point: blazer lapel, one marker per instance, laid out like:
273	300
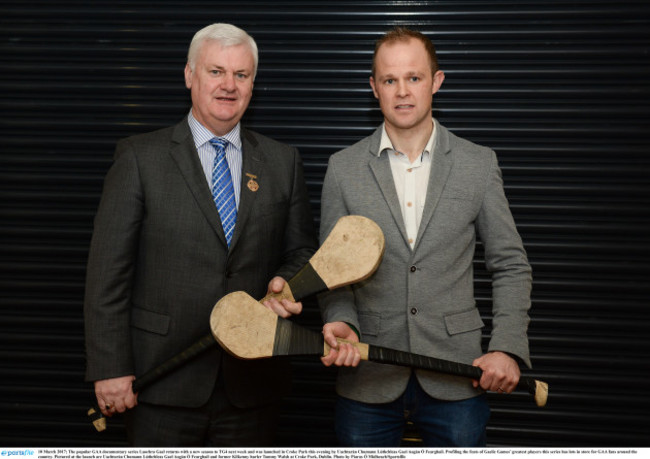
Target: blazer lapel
380	166
252	163
184	153
441	165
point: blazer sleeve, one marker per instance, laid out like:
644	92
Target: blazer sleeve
109	276
338	305
507	261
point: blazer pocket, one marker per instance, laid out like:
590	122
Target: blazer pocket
150	321
461	194
464	321
369	323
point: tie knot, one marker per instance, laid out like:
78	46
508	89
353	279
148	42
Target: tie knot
219	143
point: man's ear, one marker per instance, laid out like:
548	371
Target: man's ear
438	78
372	85
188	76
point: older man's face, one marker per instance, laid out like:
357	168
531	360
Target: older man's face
221	85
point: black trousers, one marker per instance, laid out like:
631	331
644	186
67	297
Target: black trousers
218	423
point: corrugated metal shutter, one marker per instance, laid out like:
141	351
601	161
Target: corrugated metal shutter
560	90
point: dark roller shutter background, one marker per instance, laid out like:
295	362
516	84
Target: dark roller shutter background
560	90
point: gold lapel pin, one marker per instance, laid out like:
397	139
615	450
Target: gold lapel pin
252	184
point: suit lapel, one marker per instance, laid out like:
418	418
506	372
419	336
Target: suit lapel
184	153
441	165
251	171
380	166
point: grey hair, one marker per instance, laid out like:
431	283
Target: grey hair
226	35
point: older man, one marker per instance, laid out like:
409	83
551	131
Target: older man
431	193
188	214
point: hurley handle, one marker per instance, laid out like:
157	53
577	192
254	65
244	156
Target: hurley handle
170	365
153	375
538	389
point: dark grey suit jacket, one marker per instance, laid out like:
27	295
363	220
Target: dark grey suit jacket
422	300
159	262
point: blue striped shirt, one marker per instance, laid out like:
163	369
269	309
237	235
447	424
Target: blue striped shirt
207	153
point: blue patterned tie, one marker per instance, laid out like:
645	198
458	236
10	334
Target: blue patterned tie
223	191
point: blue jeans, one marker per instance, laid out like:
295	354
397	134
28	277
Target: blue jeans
440	423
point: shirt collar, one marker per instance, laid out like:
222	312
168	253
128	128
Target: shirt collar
203	135
385	142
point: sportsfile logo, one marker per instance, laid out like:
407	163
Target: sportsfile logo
16	452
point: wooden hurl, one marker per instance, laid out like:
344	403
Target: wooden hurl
248	330
350	253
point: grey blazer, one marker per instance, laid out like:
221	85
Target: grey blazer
159	262
422	300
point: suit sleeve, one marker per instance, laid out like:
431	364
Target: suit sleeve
506	260
299	239
337	305
109	276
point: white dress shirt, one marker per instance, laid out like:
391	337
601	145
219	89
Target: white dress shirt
411	180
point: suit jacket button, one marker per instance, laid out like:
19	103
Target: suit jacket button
413	269
414	311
